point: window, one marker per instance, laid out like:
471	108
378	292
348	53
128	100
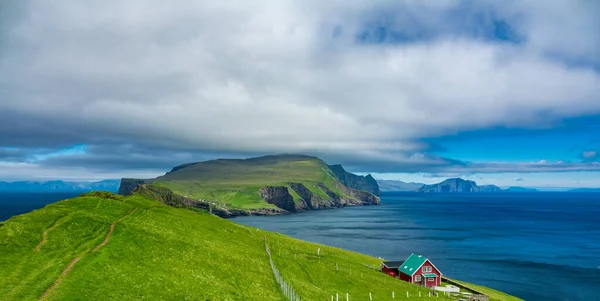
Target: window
430	279
418	278
426	269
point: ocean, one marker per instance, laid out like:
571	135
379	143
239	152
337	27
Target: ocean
537	246
15	203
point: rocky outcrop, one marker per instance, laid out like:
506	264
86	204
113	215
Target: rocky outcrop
278	196
364	197
167	197
350	180
349	197
129	185
306	195
458	185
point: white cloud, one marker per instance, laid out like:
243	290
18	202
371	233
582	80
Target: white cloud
267	76
11	171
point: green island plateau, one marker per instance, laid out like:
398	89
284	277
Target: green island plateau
157	244
275	184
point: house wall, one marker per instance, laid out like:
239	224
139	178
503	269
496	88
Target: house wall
437	280
405	277
387	271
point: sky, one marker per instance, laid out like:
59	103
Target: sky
504	92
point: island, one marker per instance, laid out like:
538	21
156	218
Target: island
454	185
267	185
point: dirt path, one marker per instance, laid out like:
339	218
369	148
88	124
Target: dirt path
60	278
68	269
112	228
45	234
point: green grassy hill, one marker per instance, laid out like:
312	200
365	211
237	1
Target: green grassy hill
282	182
108	247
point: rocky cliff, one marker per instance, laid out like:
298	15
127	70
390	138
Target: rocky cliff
128	185
458	185
167	197
364	183
279	196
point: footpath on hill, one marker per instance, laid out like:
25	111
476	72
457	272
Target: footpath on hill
106	247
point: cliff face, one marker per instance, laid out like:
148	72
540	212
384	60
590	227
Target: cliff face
282	198
458	185
364	183
278	196
128	185
167	197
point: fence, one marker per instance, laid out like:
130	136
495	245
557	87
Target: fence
287	289
361	270
462	286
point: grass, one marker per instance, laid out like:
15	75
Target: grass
493	294
165	253
235	183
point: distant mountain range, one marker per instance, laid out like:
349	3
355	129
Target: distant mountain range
394	185
59	186
520	189
447	186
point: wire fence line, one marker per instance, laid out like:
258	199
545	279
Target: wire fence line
287	289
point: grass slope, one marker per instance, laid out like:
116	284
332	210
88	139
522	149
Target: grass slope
156	252
235	183
493	294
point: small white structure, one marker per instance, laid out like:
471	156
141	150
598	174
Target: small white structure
448	288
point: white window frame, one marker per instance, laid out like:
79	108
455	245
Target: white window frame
418	278
427	269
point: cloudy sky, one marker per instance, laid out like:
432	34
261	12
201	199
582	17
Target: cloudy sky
502	91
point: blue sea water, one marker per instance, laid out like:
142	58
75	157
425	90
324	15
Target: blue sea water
537	246
15	203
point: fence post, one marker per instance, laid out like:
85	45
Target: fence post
406	294
336	297
370	297
393	297
347	297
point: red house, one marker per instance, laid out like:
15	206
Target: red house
415	269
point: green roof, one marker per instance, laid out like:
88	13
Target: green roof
432	275
412	264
